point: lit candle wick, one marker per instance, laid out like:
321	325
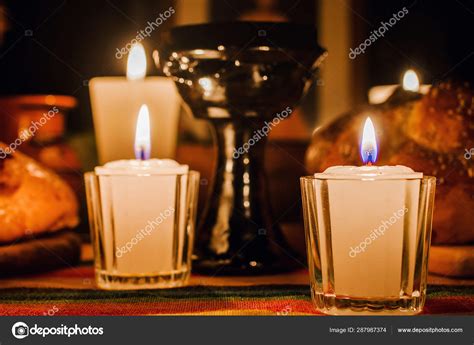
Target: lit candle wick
368	146
370	158
142	134
142	153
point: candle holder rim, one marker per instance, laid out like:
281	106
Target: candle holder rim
425	178
190	172
61	101
240	33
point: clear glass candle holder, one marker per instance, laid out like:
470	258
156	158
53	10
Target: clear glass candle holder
142	228
368	243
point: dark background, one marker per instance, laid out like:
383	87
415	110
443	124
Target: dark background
435	38
56	46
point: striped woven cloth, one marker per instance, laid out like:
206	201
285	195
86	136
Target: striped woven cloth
71	292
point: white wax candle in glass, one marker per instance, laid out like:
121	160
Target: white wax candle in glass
142	215
368	230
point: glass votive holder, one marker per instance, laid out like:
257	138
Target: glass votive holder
142	228
368	243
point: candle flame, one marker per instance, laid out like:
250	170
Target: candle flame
368	146
136	63
410	81
142	134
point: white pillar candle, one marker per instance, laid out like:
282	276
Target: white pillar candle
114	100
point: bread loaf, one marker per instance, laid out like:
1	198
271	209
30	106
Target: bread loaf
33	200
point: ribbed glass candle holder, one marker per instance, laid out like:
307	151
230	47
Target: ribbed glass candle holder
142	228
368	243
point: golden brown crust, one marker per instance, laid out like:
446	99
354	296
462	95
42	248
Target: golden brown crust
441	120
33	200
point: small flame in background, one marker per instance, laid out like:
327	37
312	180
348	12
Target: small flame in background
410	81
368	145
136	63
142	134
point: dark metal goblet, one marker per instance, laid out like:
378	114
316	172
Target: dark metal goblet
240	76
